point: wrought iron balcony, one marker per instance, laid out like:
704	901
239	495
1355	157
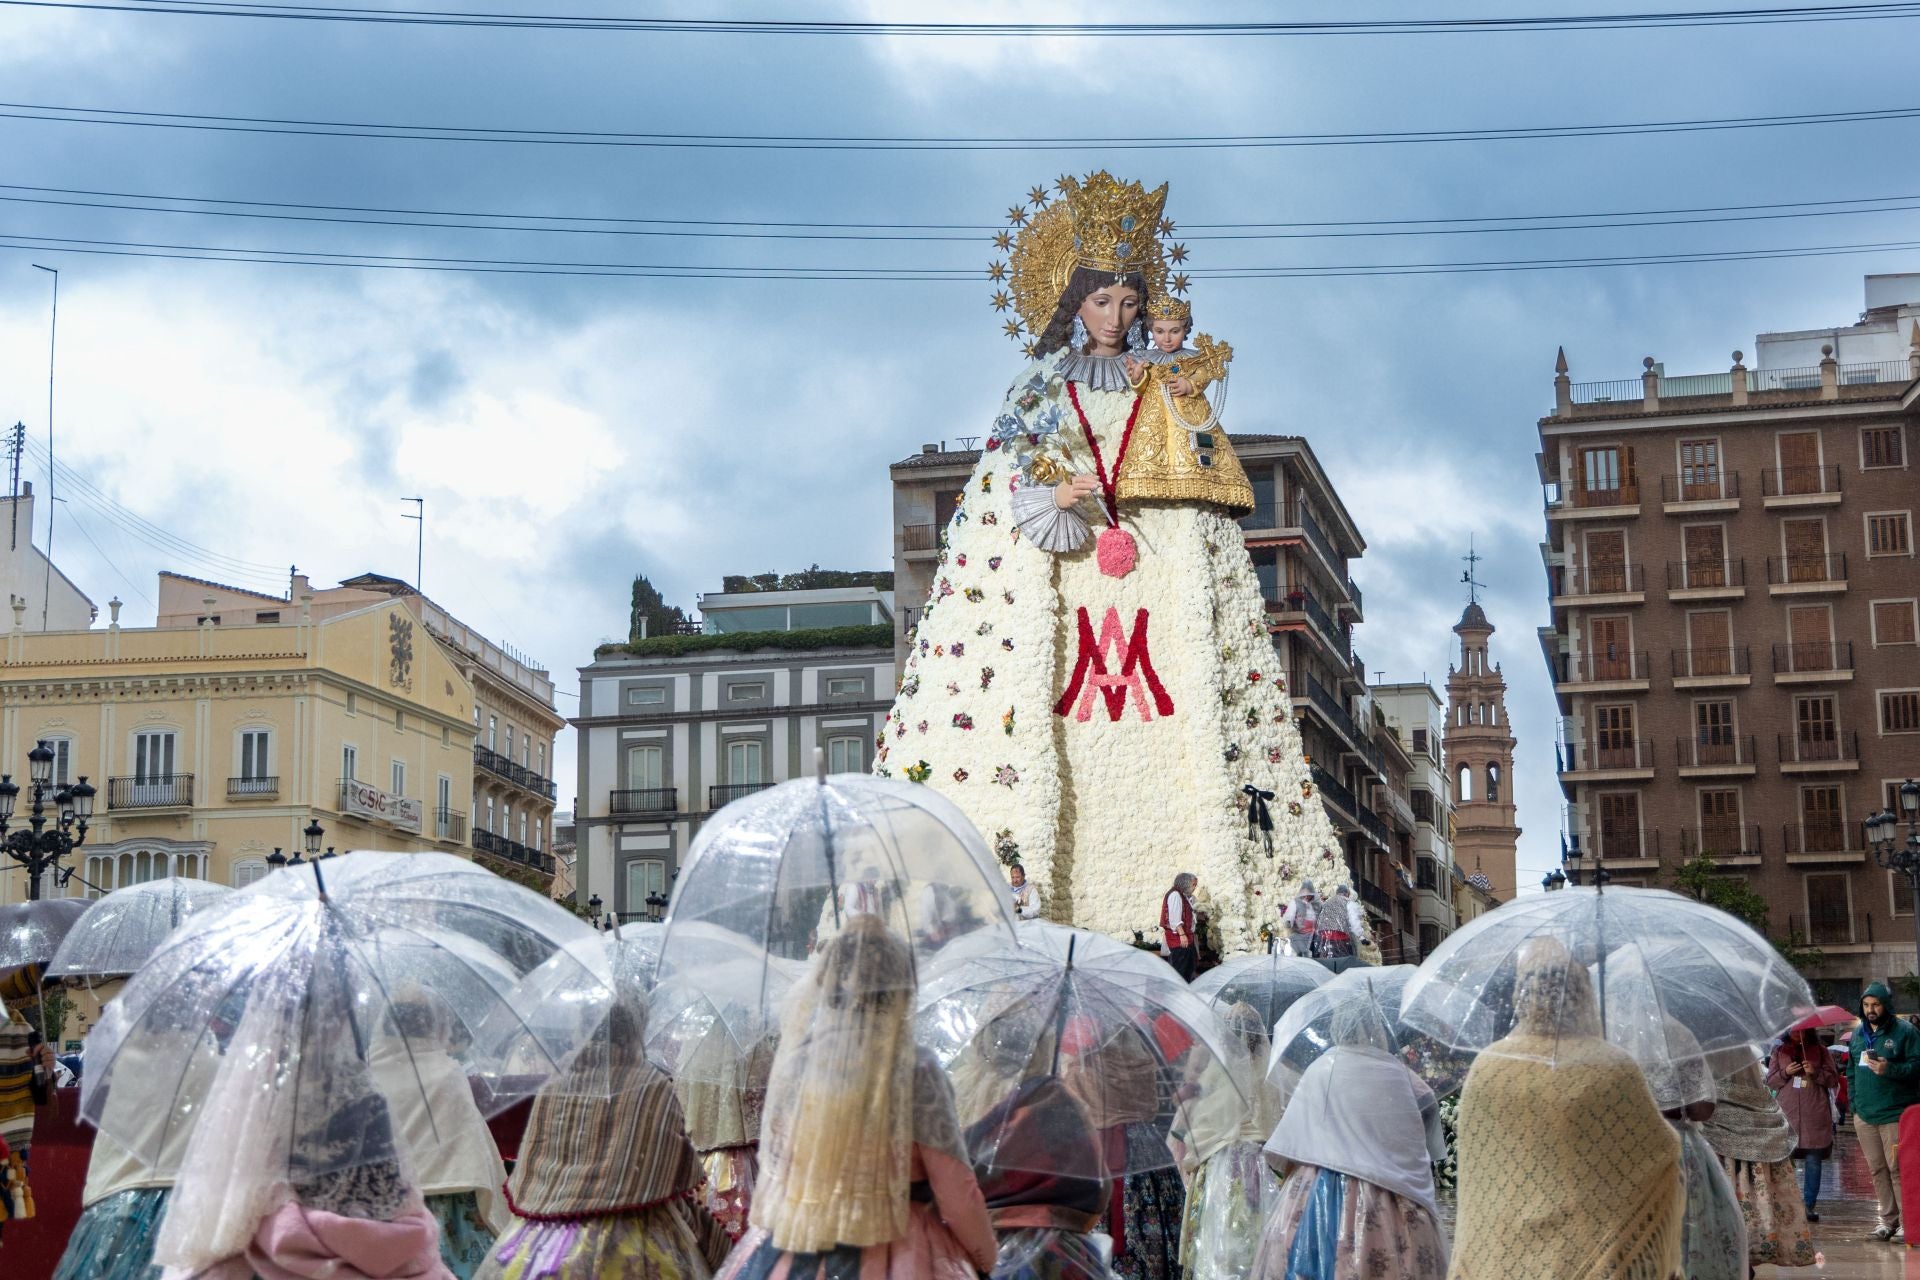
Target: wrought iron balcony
1618	664
1814	657
1790	482
720	797
1801	569
1706	575
1816	836
1705	484
1708	664
644	800
519	775
252	788
1731	752
449	825
155	791
918	537
1721	840
1838	750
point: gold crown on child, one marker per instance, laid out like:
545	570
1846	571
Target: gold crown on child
1164	306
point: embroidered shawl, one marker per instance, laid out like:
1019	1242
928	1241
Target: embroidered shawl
1748	1124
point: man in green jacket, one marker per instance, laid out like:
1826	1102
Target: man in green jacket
1883	1080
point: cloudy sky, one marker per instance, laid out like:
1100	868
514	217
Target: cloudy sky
568	432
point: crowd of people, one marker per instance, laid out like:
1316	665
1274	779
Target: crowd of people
841	1149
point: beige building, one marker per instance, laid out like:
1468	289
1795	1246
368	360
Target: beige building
212	745
53	602
503	808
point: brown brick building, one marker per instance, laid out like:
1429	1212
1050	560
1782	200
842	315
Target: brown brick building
1730	560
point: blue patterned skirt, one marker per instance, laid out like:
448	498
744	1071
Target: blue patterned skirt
114	1238
464	1235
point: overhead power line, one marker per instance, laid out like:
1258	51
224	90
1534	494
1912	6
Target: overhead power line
576	224
1631	20
511	266
53	113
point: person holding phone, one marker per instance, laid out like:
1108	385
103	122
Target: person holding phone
1883	1080
1803	1076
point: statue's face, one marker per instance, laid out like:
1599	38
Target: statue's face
1169	334
1108	313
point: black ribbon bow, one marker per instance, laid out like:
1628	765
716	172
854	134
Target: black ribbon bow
1259	816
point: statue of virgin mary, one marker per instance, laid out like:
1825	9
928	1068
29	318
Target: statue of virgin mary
1093	680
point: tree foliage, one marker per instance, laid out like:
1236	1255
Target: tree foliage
1703	879
812	578
878	635
651	608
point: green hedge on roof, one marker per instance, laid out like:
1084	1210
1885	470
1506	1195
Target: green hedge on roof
878	635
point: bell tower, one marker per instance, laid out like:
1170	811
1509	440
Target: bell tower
1479	752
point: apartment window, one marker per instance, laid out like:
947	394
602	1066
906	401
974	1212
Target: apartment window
476	716
651	697
1804	544
267	615
1713	723
1606	560
399	777
523	826
1601	475
506	819
353	703
443	807
1800	469
489	812
1720	820
645	877
508	753
1699	470
1815	730
1889	533
1900	894
1710	642
845	755
253	754
540	758
1882	447
744	764
1900	711
1829	909
1895	622
526	751
247	870
644	767
1611	642
1422	805
1823	822
1613	740
746	692
1704	550
1619	824
349	762
845	686
153	754
1419	741
1810	638
493	733
62	749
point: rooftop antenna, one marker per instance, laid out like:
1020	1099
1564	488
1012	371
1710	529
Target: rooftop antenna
1474	585
419	540
16	445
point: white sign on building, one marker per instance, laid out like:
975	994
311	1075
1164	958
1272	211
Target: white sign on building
366	801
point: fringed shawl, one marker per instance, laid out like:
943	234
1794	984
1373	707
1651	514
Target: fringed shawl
1567	1172
585	1156
1748	1124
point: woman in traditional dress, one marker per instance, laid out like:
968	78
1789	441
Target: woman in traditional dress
862	1170
1357	1147
1107	705
606	1183
1803	1074
1567	1171
1714	1232
1234	1192
722	1094
1040	1167
449	1147
1750	1134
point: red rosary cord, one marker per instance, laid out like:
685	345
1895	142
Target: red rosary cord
1109	485
587	1215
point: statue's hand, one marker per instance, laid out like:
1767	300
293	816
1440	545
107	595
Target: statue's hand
1068	493
1133	367
1181	386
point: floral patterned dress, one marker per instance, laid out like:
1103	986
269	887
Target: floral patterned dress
1715	1233
1328	1226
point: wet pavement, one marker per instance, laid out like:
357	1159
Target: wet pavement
1844	1233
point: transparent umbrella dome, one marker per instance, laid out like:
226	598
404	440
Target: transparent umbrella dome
31	932
296	990
1157	1078
1655	960
1267	983
775	876
1306	1030
119	931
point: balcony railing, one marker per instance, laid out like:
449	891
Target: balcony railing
449	824
512	850
1703	575
155	791
1836	927
1617	845
1812	656
1840	748
1815	837
1610	579
720	797
1624	494
1700	485
1377	898
252	788
1703	663
1329	706
918	537
1813	567
644	800
1790	482
519	775
1353	594
1334	789
1719	752
1374	825
1721	840
1617	665
1590	756
1292	515
1613	392
1338	635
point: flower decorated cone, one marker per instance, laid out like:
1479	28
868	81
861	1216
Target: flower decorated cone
1107	705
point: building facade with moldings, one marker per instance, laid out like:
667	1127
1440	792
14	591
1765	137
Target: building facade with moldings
673	728
1734	614
213	745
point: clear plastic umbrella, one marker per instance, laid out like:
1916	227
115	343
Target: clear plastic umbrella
1269	983
1657	960
1158	1076
718	1004
118	932
776	875
592	993
1305	1030
298	973
31	932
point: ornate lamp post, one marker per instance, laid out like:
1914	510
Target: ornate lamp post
40	849
1883	838
594	904
276	861
1554	879
310	838
656	907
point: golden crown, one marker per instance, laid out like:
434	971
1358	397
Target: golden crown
1164	306
1100	222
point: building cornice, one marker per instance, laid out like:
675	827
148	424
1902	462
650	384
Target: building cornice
1668	419
665	718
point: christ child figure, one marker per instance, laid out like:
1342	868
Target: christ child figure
1179	452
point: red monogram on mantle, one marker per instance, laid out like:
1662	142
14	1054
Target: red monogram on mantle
1118	666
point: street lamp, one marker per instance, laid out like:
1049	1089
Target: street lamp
593	909
656	907
39	849
1883	838
1554	879
313	835
276	861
